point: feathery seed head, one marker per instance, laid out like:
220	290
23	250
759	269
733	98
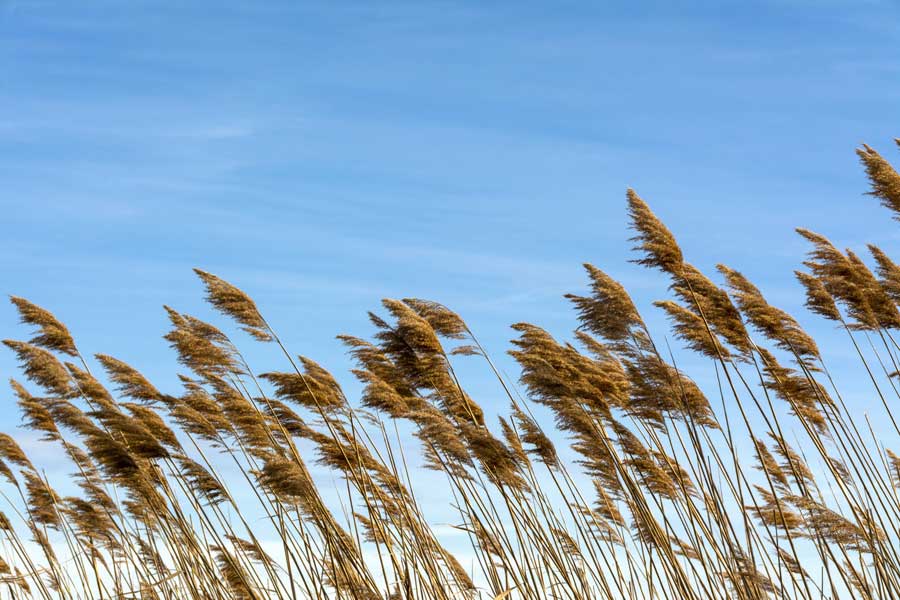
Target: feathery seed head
884	179
234	303
53	335
657	243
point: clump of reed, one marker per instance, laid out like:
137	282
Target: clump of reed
614	475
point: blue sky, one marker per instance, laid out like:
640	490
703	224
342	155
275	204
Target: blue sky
325	155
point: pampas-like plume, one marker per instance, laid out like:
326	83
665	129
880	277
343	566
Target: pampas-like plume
834	527
315	389
713	305
200	346
655	241
844	281
497	460
513	442
791	563
201	413
289	481
153	424
372	358
443	445
538	443
558	375
793	463
381	396
53	335
444	321
769	466
648	471
659	389
42	501
90	520
42	368
818	298
702	297
805	396
894	463
774	323
35	413
129	381
879	302
884	179
7	473
418	356
251	548
234	574
692	329
888	271
605	508
609	312
202	482
773	512
462	577
236	304
12	452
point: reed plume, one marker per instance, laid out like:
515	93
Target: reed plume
620	469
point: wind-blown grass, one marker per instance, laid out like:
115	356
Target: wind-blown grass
774	490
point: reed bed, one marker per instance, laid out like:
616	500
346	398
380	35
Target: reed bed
612	474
